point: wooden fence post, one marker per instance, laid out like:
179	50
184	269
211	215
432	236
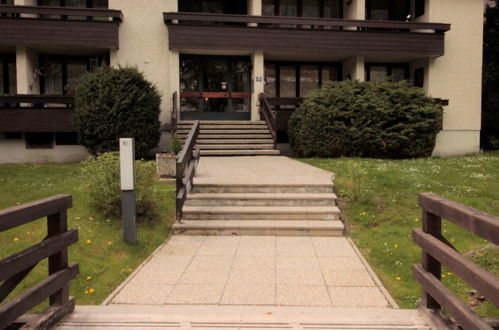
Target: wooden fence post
58	224
432	224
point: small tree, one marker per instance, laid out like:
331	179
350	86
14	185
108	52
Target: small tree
113	103
365	119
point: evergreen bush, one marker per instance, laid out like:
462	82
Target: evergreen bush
113	103
104	188
365	119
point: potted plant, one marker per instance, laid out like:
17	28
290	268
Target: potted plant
166	162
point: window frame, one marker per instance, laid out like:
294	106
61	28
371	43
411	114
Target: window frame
390	67
297	66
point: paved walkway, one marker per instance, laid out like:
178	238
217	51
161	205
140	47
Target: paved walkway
254	270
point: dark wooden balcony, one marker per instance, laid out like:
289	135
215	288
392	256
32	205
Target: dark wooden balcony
298	34
36	113
59	26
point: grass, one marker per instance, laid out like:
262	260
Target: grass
105	261
385	211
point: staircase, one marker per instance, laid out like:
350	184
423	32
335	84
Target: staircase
231	138
250	207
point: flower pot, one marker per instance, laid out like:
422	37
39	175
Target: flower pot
166	165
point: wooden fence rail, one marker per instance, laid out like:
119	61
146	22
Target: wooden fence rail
438	251
187	161
269	115
16	267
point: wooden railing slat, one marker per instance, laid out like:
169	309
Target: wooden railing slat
451	303
480	223
481	280
36	253
22	214
300	21
34	296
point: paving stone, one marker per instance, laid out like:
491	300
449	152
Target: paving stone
182	245
294	246
204	276
357	297
340	263
256	246
300	276
236	294
348	278
333	247
252	276
195	294
219	246
143	293
302	295
253	262
201	262
292	263
158	273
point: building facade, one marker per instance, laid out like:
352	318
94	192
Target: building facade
217	56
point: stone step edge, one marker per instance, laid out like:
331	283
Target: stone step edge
262	196
261	210
261	185
260	224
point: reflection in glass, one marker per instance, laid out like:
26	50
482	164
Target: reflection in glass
287	81
74	71
309	79
330	74
268	8
12	77
270	80
288	8
53	76
398	74
311	8
378	73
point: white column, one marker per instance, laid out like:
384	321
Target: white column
353	68
257	82
28	79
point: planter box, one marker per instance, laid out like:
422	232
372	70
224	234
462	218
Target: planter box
166	165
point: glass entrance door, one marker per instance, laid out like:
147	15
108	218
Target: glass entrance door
215	87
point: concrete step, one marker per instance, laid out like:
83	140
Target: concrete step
240	152
225	131
258	188
259	227
261	199
223	122
261	213
227	317
235	141
234	146
223	127
232	136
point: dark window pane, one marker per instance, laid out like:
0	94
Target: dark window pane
311	8
240	105
420	8
270	87
189	76
240	77
215	105
39	140
12	77
268	8
419	77
75	69
379	10
398	74
288	8
332	9
309	79
3	77
330	73
53	80
287	81
66	138
189	104
400	10
378	73
13	136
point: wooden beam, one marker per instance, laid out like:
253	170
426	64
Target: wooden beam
471	219
452	304
484	282
22	214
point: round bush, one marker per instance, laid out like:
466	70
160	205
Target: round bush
365	119
113	103
104	188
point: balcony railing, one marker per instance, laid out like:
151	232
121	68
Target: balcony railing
36	113
59	26
269	33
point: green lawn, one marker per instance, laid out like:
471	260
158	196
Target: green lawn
382	218
105	261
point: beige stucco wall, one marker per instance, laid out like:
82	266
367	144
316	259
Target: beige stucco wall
457	76
15	152
354	9
28	81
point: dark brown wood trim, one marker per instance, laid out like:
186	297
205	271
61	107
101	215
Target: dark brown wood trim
113	14
36	119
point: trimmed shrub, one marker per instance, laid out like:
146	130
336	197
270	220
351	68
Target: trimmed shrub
365	119
103	184
113	103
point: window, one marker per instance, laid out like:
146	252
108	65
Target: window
75	3
303	8
13	136
39	140
388	10
382	72
419	77
8	74
292	79
420	8
62	73
66	139
213	6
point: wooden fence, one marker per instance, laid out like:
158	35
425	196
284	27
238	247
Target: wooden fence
16	267
438	251
187	161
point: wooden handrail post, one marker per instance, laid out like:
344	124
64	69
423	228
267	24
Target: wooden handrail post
58	224
432	224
